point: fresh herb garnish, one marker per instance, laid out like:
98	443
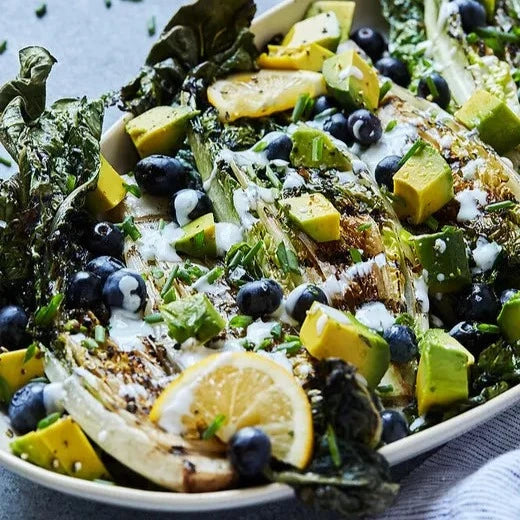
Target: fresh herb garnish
249	257
133	189
30	352
3	46
385	389
365	226
44	315
157	317
214	427
355	255
5	162
129	228
47	421
288	259
157	273
488	328
5	392
326	113
89	344
213	275
499	206
385	88
301	107
432	87
151	26
41	10
241	321
275	181
289	347
415	148
276	331
70	183
100	334
317	148
333	446
432	223
391	125
260	146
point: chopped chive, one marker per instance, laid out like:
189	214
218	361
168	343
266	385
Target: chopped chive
317	148
499	206
5	392
100	334
30	352
213	275
276	331
70	183
488	328
300	107
432	223
154	318
41	10
133	189
170	296
333	446
272	177
151	25
169	281
5	162
355	255
157	273
3	46
260	146
490	32
385	88
288	259
241	321
89	344
391	125
415	148
47	421
432	87
162	224
267	342
252	253
365	226
291	337
44	315
472	38
289	347
129	228
385	389
235	260
214	427
326	113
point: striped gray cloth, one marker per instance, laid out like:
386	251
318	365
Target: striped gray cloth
474	477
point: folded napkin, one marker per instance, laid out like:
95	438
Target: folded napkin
474	477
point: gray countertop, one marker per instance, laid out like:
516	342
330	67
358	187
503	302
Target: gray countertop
97	49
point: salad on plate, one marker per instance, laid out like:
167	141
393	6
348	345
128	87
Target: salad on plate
314	254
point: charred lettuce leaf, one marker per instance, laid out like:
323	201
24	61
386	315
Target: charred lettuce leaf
209	36
350	478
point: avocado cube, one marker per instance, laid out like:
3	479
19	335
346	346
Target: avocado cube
315	215
307	57
509	319
109	191
322	29
328	332
160	130
344	12
352	81
444	256
496	123
199	238
192	317
423	185
31	447
17	373
313	148
442	377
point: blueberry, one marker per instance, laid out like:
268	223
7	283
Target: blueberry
507	294
106	239
125	289
161	175
104	266
187	205
472	14
323	103
250	451
441	94
337	126
480	304
27	408
402	342
386	169
395	426
13	324
259	298
394	69
468	335
371	41
279	148
365	127
301	299
83	290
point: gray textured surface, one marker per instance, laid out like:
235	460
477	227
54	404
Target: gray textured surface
97	50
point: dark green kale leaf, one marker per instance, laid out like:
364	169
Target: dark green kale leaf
354	480
209	37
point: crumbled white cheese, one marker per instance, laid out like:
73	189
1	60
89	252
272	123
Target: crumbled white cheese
471	170
375	315
293	180
485	254
470	203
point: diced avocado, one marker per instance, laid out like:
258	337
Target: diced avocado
199	238
109	191
352	81
31	447
322	29
315	215
397	384
344	12
307	57
160	130
423	185
15	372
442	378
496	123
509	319
192	317
328	332
444	256
313	148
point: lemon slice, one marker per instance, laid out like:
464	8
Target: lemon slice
262	93
248	390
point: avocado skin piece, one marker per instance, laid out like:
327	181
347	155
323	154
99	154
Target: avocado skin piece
496	123
344	12
192	317
352	81
331	156
509	319
199	238
442	377
443	255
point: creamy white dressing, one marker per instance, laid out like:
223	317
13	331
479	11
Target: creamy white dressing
346	177
471	170
375	316
421	291
350	71
127	285
247	200
470	203
185	203
356	129
202	285
158	245
259	330
293	298
128	329
133	391
439	245
446	141
54	398
226	236
293	180
485	254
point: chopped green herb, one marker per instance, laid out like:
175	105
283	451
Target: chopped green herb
30	352
326	113
154	318
432	87
151	25
44	315
199	239
267	342
291	337
472	38
317	148
355	255
241	321
169	281
3	46
213	275
157	273
70	183
47	421
276	331
333	446
129	228
289	347
5	162
499	206
391	125
275	181
170	296
260	146
41	10
288	259
100	334
385	389
214	427
432	223
133	189
364	227
5	392
504	37
162	224
300	107
89	344
415	148
385	88
488	328
252	253
72	326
